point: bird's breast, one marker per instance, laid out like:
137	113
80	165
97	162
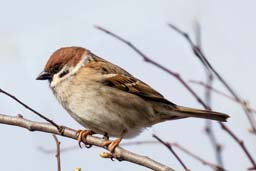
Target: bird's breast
104	109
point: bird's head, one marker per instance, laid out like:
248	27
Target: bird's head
62	64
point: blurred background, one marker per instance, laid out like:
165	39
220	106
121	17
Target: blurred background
31	30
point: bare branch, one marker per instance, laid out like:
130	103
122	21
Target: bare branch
176	145
252	132
203	161
252	168
119	153
183	82
243	103
169	147
216	145
198	33
150	142
195	48
208	99
203	59
57	152
240	142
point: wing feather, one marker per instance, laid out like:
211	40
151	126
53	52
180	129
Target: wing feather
122	80
135	86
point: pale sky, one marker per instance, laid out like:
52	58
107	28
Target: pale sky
31	30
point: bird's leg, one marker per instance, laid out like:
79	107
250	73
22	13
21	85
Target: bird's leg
81	137
112	144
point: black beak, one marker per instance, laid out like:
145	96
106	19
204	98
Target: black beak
44	76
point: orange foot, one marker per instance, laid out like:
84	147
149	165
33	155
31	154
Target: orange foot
112	144
81	137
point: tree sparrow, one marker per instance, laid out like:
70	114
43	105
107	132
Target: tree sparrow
108	100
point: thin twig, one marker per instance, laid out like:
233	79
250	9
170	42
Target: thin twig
244	103
216	145
32	110
179	78
208	99
57	152
209	130
120	153
213	139
252	168
198	53
63	149
198	33
252	132
176	145
203	161
202	58
169	147
240	142
150	142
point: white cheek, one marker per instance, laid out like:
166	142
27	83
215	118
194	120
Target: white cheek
55	80
72	70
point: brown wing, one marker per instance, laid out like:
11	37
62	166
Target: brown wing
135	86
104	66
124	81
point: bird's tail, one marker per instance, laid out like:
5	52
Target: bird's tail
184	112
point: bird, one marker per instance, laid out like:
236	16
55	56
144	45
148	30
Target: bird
105	99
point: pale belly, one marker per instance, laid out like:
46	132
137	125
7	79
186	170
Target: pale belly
107	110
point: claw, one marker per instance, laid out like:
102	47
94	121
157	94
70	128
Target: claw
111	145
81	137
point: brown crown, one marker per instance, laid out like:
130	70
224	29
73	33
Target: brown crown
67	55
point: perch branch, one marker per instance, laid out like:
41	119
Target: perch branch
119	153
176	145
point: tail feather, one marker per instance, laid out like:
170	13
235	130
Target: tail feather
181	111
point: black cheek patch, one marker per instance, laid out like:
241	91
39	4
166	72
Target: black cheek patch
64	73
108	83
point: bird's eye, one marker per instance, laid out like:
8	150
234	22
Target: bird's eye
56	68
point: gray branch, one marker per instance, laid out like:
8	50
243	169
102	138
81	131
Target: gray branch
119	153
